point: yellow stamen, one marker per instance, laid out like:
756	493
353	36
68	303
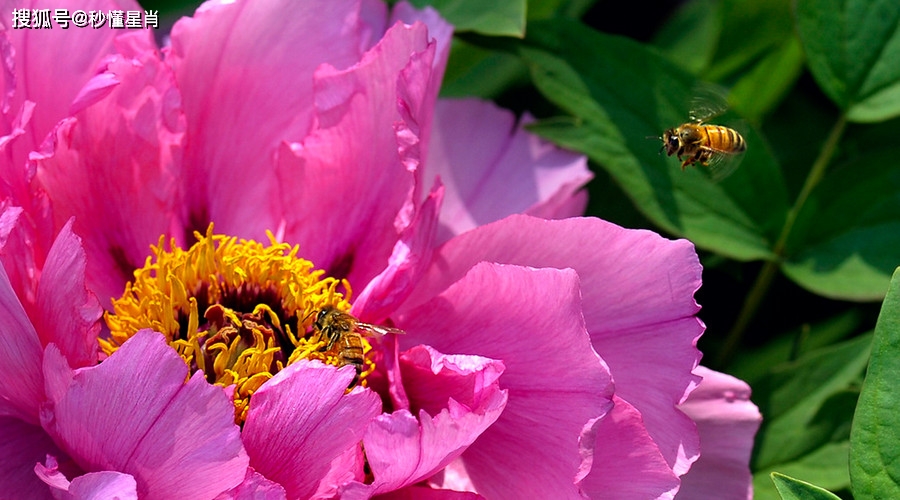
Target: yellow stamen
235	309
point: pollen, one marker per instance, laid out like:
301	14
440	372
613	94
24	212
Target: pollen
235	309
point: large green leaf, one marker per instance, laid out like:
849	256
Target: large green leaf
724	38
809	402
846	241
545	9
758	91
825	466
475	71
506	18
795	489
853	47
690	36
621	96
875	437
750	30
796	131
754	363
747	42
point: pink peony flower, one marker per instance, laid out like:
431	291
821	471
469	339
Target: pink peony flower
727	421
93	422
541	358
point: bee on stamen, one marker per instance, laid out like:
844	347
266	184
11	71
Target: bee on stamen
338	327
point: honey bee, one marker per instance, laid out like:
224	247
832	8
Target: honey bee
713	146
336	326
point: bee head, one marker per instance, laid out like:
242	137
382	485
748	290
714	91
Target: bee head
325	322
671	142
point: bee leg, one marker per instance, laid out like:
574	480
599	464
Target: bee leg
329	344
355	378
700	157
704	155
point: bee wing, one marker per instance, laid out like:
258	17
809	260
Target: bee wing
709	101
722	164
368	330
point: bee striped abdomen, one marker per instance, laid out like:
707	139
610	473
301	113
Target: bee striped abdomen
724	139
352	352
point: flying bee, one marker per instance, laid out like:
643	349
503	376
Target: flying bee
336	326
713	146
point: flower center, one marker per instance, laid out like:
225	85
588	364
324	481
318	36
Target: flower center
235	309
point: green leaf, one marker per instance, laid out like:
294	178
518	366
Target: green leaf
506	18
825	466
621	96
721	39
853	47
875	437
690	36
750	30
809	402
747	42
545	9
862	139
846	241
796	131
475	71
754	363
795	489
765	85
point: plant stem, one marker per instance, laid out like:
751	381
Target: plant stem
770	268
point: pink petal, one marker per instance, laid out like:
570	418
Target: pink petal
51	475
100	486
355	171
374	17
135	414
610	260
431	378
106	484
25	238
426	493
438	28
245	70
51	80
458	398
68	313
666	354
418	95
502	170
638	305
255	487
402	450
7	73
22	446
508	313
627	463
63	311
94	90
346	468
19	254
113	167
301	420
727	421
17	128
20	358
409	260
